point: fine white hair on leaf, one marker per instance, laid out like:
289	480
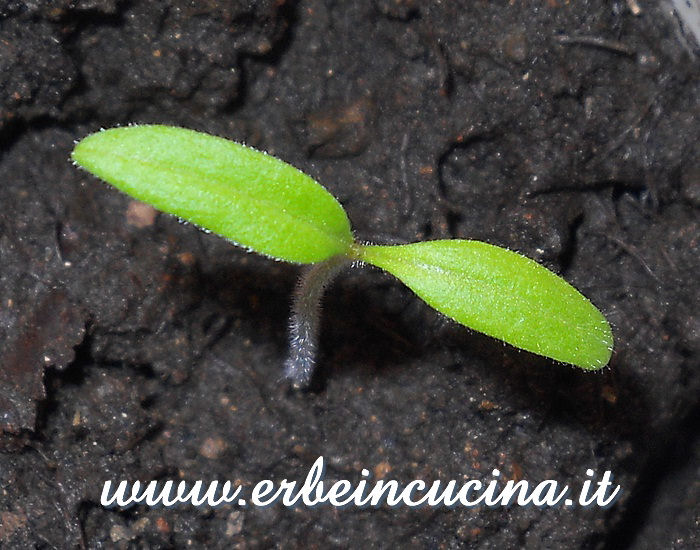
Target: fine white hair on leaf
304	322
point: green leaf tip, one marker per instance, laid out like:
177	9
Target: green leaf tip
251	198
502	294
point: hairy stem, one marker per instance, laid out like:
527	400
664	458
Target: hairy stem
304	323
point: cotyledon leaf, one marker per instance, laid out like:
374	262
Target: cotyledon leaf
249	197
503	294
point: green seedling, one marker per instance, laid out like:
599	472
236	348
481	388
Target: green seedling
265	205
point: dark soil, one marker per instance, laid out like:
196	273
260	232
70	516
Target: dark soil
134	347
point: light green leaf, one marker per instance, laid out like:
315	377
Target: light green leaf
503	294
247	196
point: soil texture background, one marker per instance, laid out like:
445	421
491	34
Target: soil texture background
136	347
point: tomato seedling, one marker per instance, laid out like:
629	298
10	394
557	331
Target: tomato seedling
267	206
